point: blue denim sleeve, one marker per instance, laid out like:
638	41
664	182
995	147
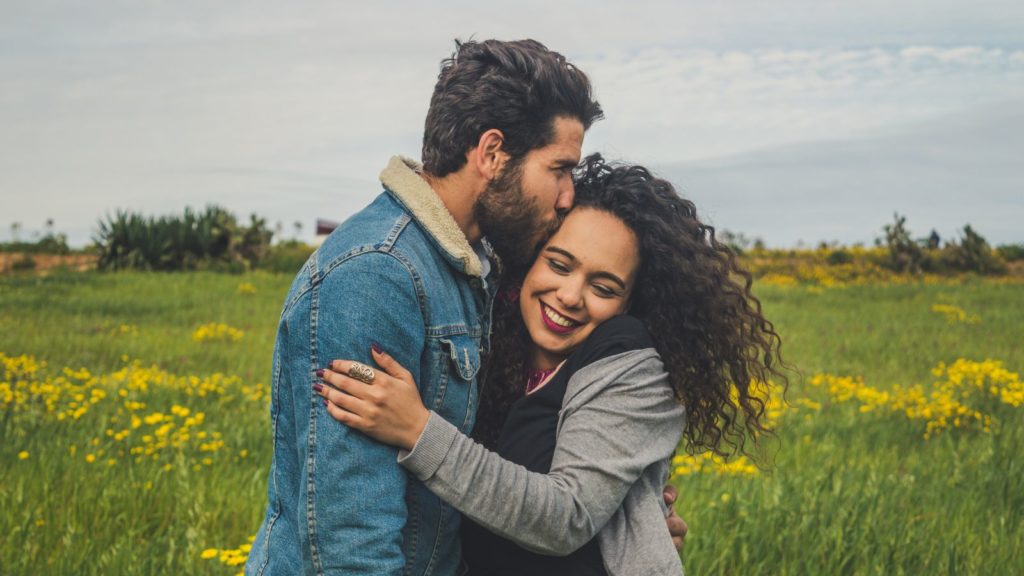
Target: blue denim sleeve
357	490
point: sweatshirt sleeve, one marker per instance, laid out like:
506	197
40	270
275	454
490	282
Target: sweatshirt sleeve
605	442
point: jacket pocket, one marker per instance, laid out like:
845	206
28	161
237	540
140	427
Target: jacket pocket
456	397
463	354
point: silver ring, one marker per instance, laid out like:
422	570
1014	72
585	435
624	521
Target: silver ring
361	372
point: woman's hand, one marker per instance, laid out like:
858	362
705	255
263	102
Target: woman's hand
388	410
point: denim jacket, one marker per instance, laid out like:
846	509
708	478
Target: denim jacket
401	274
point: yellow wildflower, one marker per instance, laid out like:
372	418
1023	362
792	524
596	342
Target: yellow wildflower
955	314
217	332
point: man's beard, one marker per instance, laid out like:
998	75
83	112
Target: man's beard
511	222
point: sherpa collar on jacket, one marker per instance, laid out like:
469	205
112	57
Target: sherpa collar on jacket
402	178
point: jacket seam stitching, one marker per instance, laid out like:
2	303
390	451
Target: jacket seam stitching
273	477
445	510
314	306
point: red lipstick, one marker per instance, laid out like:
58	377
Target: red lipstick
556	328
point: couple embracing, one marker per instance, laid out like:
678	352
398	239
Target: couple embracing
488	369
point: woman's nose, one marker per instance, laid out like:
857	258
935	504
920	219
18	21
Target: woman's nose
570	294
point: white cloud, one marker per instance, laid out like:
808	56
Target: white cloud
291	110
691	104
959	169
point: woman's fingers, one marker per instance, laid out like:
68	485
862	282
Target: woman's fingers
335	377
344	416
390	365
342	400
365	413
371	397
357	370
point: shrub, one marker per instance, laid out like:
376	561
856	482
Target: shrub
838	257
287	257
1011	252
905	255
210	240
24	263
737	242
972	254
48	244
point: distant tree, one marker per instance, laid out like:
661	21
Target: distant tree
1011	252
254	242
736	241
972	254
905	254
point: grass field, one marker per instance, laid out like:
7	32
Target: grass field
136	440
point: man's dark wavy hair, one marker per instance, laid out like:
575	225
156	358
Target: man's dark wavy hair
517	87
692	296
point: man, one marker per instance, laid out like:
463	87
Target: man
411	274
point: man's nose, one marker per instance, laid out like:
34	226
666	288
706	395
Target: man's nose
566	195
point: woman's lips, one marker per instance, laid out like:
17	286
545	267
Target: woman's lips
557	328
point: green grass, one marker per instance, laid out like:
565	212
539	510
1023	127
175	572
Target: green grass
65	319
853	493
100	519
849	493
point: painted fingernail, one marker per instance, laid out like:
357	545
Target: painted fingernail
325	401
320	373
376	348
318	387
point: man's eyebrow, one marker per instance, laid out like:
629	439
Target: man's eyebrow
601	274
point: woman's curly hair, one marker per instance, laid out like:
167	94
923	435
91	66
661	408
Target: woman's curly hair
720	352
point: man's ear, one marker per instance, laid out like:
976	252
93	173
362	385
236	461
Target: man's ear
489	156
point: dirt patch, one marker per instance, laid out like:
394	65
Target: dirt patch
44	263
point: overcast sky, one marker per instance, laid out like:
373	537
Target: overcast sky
786	120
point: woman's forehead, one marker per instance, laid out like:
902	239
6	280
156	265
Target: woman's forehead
599	240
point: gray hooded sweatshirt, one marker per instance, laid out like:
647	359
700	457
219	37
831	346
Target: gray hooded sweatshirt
618	428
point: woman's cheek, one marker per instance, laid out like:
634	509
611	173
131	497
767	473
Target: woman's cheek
606	309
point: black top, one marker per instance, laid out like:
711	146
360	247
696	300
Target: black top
528	438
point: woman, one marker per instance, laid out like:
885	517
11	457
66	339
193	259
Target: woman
580	412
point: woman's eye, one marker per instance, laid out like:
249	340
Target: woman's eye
604	291
558	266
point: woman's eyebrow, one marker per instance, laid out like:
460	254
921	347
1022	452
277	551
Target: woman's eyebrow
561	251
611	277
601	274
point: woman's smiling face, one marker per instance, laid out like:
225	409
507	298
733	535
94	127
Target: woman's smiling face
583	276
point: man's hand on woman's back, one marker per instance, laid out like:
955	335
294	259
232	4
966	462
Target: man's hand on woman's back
676	526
